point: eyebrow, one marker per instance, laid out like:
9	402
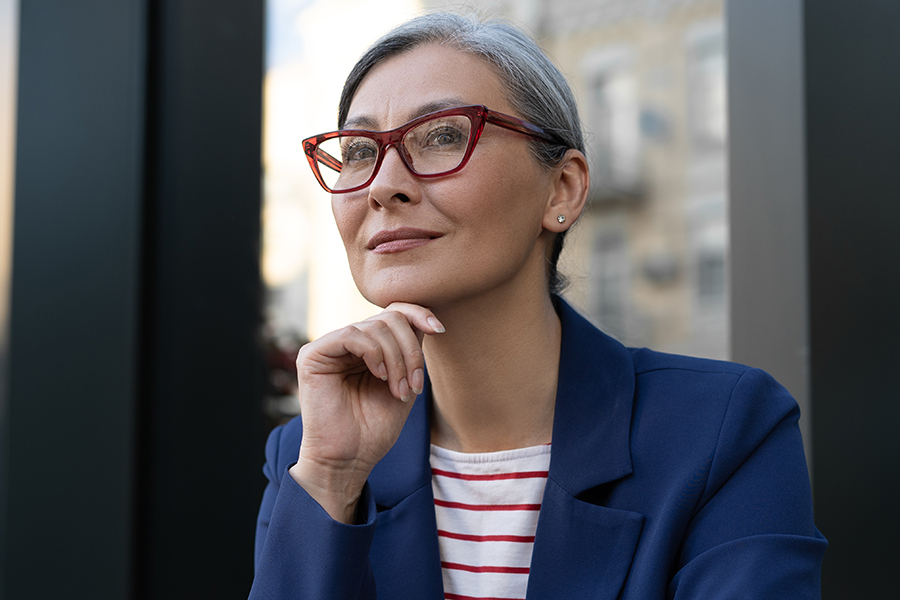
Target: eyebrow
365	122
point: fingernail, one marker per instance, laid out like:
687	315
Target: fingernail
404	390
382	372
435	324
418	381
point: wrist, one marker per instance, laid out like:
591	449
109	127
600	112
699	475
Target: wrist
336	489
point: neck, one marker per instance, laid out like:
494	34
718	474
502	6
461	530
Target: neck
494	372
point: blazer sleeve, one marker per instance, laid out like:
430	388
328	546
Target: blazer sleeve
301	552
752	533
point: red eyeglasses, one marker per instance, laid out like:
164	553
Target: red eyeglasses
436	144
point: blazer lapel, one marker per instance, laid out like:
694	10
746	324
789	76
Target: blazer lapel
583	550
405	557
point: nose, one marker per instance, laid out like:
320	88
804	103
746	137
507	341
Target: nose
393	183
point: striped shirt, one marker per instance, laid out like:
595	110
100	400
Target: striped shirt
486	505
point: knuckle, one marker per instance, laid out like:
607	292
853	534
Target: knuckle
395	316
303	353
303	362
379	325
416	355
396	360
350	330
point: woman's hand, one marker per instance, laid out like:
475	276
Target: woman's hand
356	387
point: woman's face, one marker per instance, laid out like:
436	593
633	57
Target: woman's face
449	238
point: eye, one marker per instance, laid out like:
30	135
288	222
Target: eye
443	137
357	150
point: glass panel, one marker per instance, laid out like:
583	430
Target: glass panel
9	45
647	260
311	46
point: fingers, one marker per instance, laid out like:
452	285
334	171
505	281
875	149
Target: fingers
399	331
399	350
418	316
339	352
389	344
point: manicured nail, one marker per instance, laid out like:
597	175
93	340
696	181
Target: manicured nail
404	390
382	372
436	325
418	381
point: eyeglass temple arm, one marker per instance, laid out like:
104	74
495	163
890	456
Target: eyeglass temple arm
328	160
515	124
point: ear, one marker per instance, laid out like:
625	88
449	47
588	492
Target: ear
570	185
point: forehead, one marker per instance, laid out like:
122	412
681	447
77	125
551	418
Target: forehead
422	80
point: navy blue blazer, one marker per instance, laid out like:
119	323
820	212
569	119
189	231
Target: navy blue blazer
670	477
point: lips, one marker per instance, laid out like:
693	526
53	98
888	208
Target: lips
403	238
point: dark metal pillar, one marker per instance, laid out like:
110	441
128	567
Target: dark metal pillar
202	435
813	91
68	435
131	434
853	141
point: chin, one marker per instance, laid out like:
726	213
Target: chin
420	290
433	287
384	294
384	298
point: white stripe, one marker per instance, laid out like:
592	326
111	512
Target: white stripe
507	554
485	584
502	491
484	523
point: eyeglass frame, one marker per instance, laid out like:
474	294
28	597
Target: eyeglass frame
479	115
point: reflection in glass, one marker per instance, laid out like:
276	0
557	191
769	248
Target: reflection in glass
647	261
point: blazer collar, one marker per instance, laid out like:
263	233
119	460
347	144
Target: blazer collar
594	401
592	419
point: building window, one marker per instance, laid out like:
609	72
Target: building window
707	109
614	123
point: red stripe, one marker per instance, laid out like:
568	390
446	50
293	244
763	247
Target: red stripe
463	506
525	539
487	569
448	596
492	477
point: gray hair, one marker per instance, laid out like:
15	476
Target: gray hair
535	88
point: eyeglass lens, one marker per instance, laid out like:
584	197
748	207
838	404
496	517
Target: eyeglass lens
430	148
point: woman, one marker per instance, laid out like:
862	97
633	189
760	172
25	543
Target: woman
537	456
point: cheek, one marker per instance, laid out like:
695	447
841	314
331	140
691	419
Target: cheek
500	218
348	219
511	198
